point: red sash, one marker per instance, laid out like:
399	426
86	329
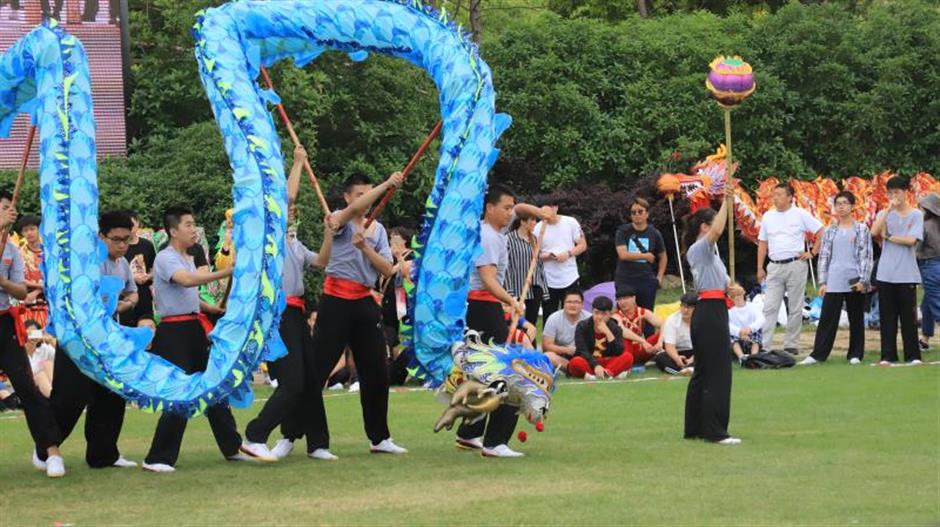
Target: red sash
482	295
201	317
345	289
298	302
18	326
715	294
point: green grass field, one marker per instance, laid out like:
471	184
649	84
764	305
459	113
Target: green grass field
830	444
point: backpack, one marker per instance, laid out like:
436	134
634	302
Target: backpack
769	360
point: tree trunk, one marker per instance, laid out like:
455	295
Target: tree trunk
643	7
476	19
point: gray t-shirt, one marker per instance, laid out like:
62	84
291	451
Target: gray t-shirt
171	298
121	269
898	263
348	262
13	268
708	271
494	252
842	265
561	329
297	259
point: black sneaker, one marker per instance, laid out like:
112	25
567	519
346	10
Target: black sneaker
792	351
924	346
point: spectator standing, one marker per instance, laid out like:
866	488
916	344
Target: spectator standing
845	262
782	238
928	253
562	244
641	255
521	242
900	227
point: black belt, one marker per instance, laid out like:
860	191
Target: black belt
788	260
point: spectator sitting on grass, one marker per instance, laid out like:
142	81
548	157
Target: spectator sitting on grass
598	344
640	326
744	324
41	357
677	355
558	333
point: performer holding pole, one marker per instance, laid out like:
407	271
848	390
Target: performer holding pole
297	388
72	391
708	399
349	316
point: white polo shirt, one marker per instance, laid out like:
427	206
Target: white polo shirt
785	232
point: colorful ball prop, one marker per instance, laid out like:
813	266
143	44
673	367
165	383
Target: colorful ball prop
730	80
540	426
522	436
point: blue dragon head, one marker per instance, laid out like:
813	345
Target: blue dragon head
487	375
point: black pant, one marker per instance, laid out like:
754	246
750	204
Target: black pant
665	363
13	361
708	399
185	345
646	289
898	301
556	298
297	388
357	324
72	392
829	324
488	319
536	304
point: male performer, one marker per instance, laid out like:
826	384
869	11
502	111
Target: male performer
289	405
182	338
72	391
349	316
13	360
485	315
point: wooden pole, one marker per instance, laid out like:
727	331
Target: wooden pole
408	168
19	185
293	135
729	194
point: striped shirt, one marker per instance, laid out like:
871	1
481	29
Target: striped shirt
520	256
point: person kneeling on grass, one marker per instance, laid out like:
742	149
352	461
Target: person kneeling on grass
598	345
744	324
677	355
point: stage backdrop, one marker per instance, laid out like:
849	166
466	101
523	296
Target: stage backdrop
98	24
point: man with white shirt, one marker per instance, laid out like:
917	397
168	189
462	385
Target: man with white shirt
677	355
783	238
563	242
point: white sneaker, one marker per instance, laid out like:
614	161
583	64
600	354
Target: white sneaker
387	447
474	443
282	448
730	441
258	451
884	363
622	375
354	387
38	464
808	361
123	463
589	377
55	467
501	451
855	361
242	457
323	455
157	467
335	387
916	362
272	383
